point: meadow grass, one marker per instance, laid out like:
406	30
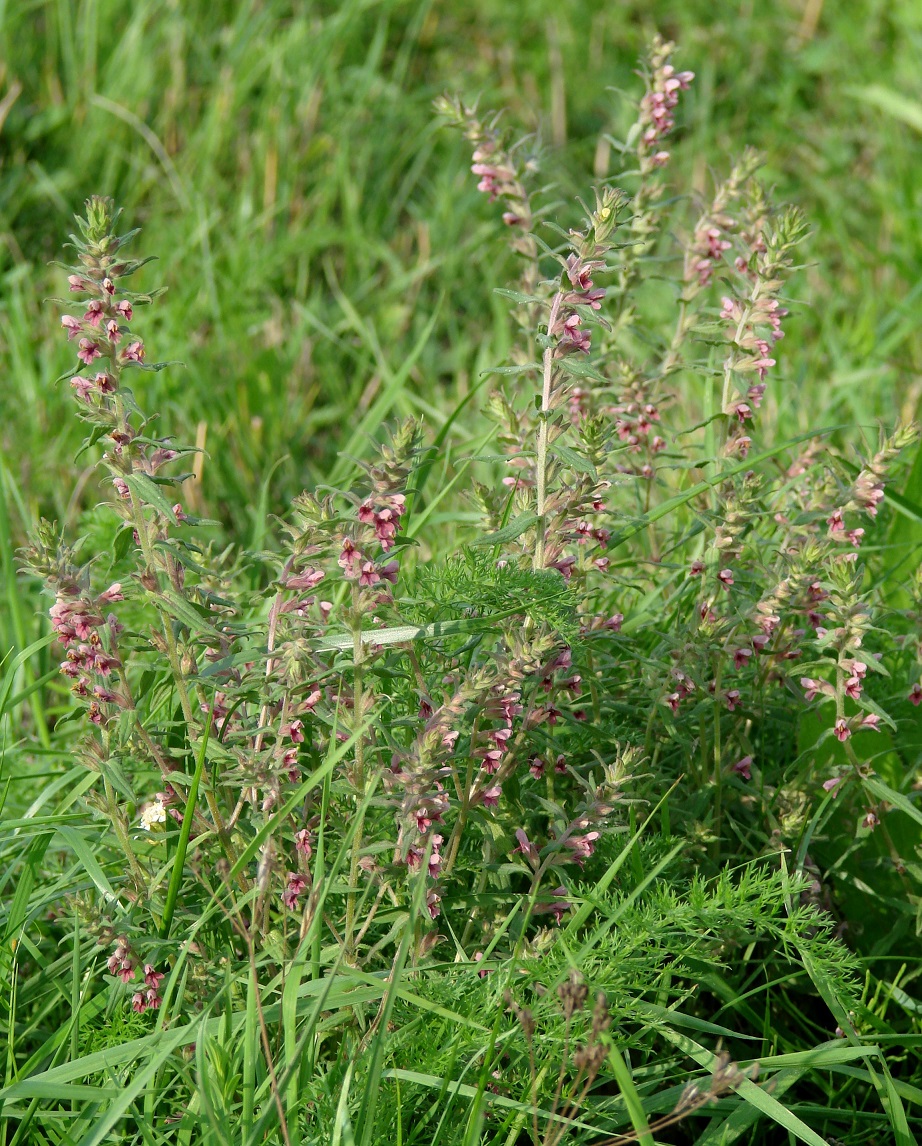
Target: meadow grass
329	268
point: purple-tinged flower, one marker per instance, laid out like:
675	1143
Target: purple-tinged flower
741	658
139	1002
108	286
433	900
75	282
832	784
743	768
124	309
153	977
88	351
537	764
296	885
725	577
133	352
732	697
491	796
557	908
95	312
915	694
582	846
871	721
871	820
526	848
72	325
304	843
83	387
841	730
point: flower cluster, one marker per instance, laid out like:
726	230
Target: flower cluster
659	102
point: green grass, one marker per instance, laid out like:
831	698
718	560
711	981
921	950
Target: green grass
329	265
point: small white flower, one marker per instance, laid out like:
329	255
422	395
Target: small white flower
154	813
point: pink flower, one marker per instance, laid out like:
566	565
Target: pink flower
133	352
113	333
94	313
139	1002
853	687
696	568
435	860
124	309
537	765
743	767
841	730
582	846
72	325
812	688
87	351
915	694
526	848
491	796
83	387
871	820
556	908
296	731
296	885
303	843
871	722
741	658
832	784
152	977
725	577
433	899
75	282
733	699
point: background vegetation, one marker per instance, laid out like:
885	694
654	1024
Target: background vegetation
330	265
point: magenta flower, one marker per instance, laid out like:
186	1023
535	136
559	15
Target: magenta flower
915	694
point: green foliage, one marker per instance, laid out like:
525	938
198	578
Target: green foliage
531	631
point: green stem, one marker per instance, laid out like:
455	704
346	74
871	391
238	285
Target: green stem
543	438
184	832
123	838
359	773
